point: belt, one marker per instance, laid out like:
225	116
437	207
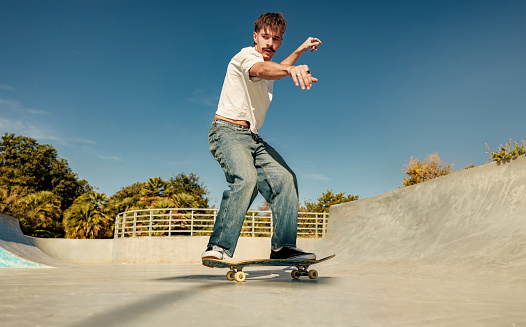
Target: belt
243	123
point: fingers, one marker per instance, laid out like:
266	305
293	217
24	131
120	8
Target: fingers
314	43
295	79
302	77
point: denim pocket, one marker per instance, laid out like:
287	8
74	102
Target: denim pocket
212	138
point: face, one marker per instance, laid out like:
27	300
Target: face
267	42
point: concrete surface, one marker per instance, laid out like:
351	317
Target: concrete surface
17	252
448	252
193	295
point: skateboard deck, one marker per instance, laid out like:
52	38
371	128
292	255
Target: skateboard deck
235	268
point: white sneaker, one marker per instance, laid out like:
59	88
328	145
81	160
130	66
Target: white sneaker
214	252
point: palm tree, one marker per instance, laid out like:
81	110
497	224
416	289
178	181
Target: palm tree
154	187
98	200
130	203
185	200
152	191
88	217
41	213
10	198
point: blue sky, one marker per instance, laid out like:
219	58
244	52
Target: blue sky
126	90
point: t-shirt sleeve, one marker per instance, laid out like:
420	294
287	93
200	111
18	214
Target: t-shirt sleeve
249	59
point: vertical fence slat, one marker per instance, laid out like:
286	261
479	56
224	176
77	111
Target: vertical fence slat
192	223
150	224
135	224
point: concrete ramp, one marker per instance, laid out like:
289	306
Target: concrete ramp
17	252
471	221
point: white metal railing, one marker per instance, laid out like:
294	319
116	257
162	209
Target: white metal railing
200	222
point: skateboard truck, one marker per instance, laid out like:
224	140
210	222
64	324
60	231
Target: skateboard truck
236	274
303	271
236	268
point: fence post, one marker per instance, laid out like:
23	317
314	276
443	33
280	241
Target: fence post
117	227
192	224
253	225
324	230
271	223
134	223
150	226
316	224
170	224
123	225
116	231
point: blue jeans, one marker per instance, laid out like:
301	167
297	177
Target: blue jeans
251	165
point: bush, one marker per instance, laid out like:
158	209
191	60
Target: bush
506	151
430	168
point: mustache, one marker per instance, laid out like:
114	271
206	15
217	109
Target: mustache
269	48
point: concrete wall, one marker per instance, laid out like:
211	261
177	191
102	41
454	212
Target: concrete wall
75	251
471	219
188	249
150	250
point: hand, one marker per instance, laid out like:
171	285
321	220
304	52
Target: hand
311	43
301	76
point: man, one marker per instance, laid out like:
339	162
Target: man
249	163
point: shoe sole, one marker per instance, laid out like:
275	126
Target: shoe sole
208	258
296	258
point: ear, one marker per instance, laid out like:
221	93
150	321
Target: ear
255	35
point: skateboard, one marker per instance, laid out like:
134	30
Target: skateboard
236	273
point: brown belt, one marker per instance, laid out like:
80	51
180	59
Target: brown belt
243	123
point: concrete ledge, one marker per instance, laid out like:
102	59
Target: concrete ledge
150	250
75	251
188	249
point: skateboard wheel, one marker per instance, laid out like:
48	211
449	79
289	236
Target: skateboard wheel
295	274
231	275
240	276
313	274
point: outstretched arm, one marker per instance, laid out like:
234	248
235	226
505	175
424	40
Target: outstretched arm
311	43
300	74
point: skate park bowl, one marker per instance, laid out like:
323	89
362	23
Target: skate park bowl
447	252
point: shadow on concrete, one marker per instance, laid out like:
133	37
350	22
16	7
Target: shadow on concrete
264	275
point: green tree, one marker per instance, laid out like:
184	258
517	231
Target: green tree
185	200
153	188
127	198
37	174
189	184
152	192
41	214
420	171
88	217
181	191
10	199
36	167
328	199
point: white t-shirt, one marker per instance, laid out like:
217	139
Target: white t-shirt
242	97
